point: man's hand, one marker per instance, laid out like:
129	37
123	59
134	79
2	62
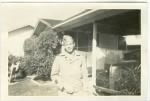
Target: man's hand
69	90
54	81
61	87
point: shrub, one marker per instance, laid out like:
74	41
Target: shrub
40	52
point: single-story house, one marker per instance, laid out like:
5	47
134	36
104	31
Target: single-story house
100	35
16	39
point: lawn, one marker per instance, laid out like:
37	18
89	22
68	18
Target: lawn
28	87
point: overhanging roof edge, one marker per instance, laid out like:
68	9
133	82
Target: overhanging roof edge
67	21
79	20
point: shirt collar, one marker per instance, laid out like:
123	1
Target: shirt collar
76	53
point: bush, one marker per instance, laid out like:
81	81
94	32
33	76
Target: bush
20	73
13	59
40	52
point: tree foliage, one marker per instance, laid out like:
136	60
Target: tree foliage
20	73
40	52
13	59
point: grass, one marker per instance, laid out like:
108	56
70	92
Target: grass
27	87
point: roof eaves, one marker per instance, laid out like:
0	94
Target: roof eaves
26	26
43	21
74	18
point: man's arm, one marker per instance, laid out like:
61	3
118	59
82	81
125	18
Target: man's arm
55	71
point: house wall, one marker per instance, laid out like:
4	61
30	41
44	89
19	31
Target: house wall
107	49
107	45
16	41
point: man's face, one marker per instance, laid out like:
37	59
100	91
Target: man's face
69	46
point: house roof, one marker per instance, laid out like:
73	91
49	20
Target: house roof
87	17
86	10
51	22
43	24
115	21
24	28
128	19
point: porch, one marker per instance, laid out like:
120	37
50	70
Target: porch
100	36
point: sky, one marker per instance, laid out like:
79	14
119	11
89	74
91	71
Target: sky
17	15
14	16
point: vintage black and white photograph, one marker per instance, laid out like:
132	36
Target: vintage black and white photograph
73	50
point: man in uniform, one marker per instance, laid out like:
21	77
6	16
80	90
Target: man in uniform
69	70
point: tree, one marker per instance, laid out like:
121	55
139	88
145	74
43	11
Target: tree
40	52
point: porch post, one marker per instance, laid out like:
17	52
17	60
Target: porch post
77	41
93	53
